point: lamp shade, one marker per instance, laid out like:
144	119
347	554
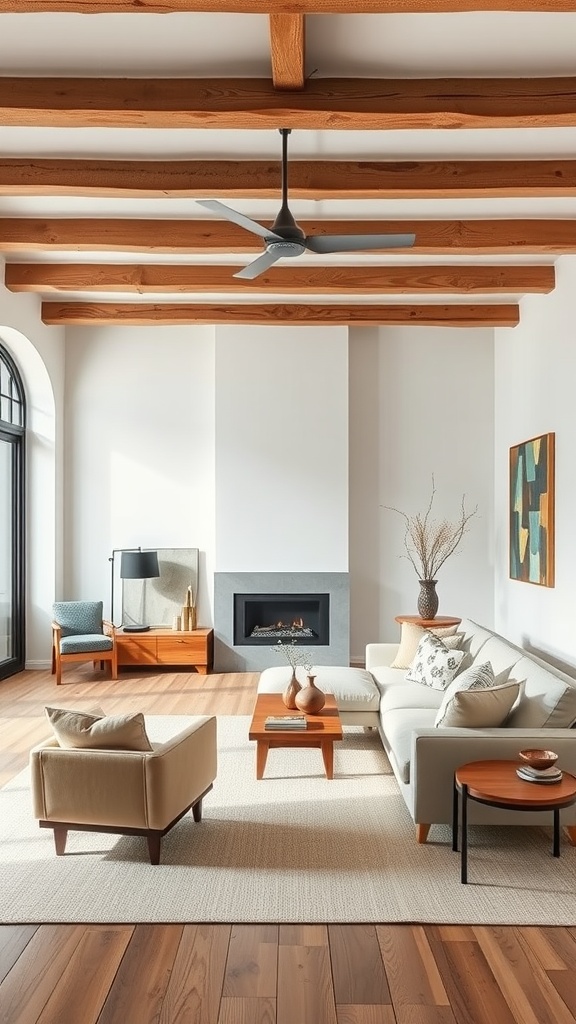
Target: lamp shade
139	565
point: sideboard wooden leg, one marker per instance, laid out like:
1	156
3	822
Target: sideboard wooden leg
422	833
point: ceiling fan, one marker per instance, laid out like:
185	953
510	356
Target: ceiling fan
285	238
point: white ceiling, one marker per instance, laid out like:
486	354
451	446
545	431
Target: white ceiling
226	45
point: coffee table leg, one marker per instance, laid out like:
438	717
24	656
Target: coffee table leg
262	748
556	846
328	756
454	815
464	854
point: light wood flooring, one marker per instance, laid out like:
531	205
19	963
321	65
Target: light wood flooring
256	974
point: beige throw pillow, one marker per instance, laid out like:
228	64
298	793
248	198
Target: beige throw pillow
481	709
477	677
80	729
411	636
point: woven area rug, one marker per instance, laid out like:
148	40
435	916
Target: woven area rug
292	847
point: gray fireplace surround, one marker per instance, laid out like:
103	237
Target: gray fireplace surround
253	658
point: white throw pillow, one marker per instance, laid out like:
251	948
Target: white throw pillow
411	636
477	677
481	709
435	664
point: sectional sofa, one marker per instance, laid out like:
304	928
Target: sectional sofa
424	756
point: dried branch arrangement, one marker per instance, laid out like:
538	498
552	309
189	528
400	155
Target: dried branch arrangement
429	542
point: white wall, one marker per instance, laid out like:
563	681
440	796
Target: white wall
281	449
421	403
39	354
139	417
535	377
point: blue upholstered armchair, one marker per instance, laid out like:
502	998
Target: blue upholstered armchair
79	633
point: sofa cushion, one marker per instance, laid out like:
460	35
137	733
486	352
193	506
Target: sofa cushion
399	728
409	695
354	689
501	655
479	709
547	701
474	636
78	729
411	636
434	665
477	677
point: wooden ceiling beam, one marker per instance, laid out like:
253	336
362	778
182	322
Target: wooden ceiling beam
383	280
309	179
253	103
433	237
280	6
93	314
287	52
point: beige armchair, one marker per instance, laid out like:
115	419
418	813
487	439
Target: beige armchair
128	792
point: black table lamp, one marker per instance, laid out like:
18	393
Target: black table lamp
135	564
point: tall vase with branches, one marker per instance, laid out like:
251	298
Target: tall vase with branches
429	543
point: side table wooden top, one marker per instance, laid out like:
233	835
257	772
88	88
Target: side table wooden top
496	782
439	620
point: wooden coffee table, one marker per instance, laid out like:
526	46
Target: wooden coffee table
321	731
496	783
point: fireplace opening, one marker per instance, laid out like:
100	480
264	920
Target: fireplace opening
268	618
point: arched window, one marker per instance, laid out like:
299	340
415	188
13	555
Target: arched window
12	596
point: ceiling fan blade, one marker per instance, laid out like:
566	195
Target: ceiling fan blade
356	243
237	218
258	266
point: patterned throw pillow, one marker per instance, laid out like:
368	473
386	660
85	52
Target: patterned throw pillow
435	664
477	677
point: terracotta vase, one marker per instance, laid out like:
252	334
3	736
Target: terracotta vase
289	695
310	699
427	599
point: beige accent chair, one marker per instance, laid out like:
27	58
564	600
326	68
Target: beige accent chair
128	792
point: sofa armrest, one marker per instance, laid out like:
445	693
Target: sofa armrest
380	654
437	753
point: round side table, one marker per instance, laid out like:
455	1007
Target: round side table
440	620
496	783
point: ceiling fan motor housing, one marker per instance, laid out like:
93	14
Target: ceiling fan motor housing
285	248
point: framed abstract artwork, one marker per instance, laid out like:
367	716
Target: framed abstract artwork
532	511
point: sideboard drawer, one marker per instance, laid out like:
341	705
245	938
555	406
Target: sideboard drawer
180	650
136	650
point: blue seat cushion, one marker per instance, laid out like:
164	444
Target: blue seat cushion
78	618
87	643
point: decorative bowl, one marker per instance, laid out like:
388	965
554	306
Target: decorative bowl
539	759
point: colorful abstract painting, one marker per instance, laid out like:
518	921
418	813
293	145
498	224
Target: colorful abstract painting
532	511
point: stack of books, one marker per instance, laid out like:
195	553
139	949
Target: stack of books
529	774
285	722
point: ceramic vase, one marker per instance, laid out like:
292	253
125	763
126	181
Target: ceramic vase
289	695
310	699
427	599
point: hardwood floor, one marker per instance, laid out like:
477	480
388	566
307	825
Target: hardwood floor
256	974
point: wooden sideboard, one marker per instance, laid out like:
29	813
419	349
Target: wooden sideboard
194	648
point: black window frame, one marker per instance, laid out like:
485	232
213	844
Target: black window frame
15	435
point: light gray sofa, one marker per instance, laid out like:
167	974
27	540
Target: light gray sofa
424	757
